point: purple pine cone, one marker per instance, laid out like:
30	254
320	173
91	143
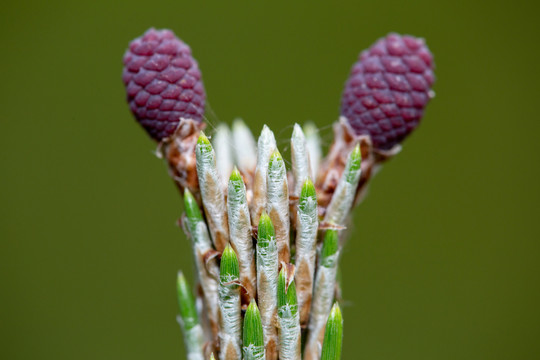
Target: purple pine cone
163	82
388	89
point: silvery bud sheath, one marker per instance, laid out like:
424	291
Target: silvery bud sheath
189	320
267	280
333	335
288	319
307	225
230	306
212	192
207	268
266	239
323	294
253	343
241	234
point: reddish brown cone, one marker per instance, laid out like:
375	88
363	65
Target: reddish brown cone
163	82
388	89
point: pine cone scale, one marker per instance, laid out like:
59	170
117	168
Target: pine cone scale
388	89
163	83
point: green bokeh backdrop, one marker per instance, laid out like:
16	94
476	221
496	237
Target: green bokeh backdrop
444	261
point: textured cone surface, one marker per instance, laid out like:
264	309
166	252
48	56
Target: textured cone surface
163	82
388	89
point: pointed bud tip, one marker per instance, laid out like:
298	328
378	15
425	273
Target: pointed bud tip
266	133
222	127
238	123
190	205
252	307
310	128
356	154
229	267
188	312
291	294
354	165
333	335
264	218
228	253
253	331
335	313
330	245
203	140
188	197
286	287
276	162
266	139
276	156
282	287
297	131
235	175
308	189
266	228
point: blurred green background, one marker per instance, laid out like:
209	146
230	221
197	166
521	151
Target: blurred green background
444	263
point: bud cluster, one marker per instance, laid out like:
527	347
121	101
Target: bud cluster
266	239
